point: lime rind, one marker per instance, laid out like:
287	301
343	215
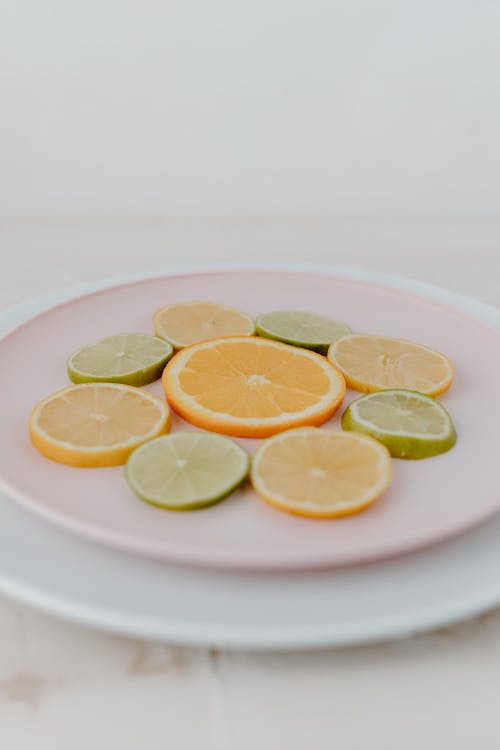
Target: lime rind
187	470
134	359
433	430
306	330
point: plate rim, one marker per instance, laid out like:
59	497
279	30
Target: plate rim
269	638
88	290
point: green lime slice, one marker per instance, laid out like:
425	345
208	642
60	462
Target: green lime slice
408	423
186	470
301	329
130	358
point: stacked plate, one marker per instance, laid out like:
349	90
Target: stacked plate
241	574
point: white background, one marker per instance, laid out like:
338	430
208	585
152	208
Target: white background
224	106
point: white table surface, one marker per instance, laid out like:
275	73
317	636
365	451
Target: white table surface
62	686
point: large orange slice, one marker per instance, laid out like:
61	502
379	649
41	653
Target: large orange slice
321	473
252	387
374	363
96	424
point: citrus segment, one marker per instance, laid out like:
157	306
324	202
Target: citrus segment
408	423
321	473
373	363
301	329
252	387
186	470
96	424
130	358
186	323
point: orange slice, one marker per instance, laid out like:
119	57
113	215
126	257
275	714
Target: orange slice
374	363
187	323
96	424
252	387
321	473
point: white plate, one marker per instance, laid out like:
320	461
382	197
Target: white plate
77	580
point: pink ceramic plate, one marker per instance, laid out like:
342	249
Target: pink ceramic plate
429	500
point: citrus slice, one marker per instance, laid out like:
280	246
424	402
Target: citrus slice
187	323
186	470
373	363
252	387
96	424
131	358
321	473
408	423
301	329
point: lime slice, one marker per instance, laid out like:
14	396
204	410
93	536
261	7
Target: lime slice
301	329
130	358
187	470
408	423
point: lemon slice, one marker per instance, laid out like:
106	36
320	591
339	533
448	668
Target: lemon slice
130	358
96	424
301	329
186	470
408	423
186	323
252	387
321	473
373	363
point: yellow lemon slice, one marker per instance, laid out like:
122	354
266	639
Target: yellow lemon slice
374	363
96	424
187	323
321	473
